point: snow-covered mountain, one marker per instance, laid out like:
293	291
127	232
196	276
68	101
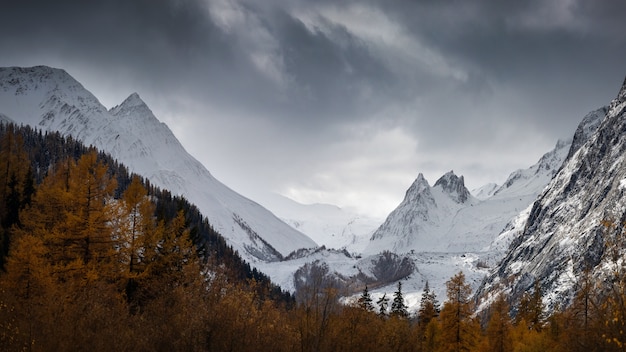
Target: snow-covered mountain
447	218
328	225
51	99
443	228
485	191
424	220
537	176
564	234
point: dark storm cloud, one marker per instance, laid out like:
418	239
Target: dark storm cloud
177	44
561	56
465	84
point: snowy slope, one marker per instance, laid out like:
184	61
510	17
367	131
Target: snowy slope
52	100
328	225
564	234
535	182
443	229
485	191
426	219
438	219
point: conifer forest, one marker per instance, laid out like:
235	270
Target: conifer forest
95	258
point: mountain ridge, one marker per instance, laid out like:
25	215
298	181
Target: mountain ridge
51	99
565	232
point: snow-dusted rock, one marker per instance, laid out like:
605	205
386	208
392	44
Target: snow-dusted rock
563	234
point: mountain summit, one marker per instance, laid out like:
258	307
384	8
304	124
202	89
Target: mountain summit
454	186
51	99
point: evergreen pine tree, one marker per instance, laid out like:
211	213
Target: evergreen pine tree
365	301
429	306
398	307
383	303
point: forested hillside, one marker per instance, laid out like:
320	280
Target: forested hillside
94	258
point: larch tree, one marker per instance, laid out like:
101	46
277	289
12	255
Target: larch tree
498	332
135	229
16	185
458	329
429	306
531	310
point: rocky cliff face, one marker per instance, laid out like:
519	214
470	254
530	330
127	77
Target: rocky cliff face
454	187
564	233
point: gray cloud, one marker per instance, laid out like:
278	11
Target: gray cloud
330	100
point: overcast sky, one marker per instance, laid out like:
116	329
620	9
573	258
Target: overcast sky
340	102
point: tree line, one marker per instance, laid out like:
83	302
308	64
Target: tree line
95	258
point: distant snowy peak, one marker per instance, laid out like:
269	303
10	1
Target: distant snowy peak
485	191
534	179
414	210
416	189
134	110
47	97
426	218
454	187
328	225
5	119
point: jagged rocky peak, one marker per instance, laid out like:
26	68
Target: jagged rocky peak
131	104
133	100
586	128
454	186
418	185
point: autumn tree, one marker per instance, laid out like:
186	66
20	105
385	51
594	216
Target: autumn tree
356	329
583	320
458	329
16	185
24	293
498	332
318	299
531	309
429	306
135	231
63	254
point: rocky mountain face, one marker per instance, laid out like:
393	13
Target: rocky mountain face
423	220
51	99
566	233
536	178
447	218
